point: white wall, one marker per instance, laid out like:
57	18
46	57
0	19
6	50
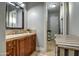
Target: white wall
2	28
74	18
35	20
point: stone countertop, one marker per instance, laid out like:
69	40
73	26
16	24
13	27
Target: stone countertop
15	36
67	40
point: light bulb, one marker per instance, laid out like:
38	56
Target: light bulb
22	5
52	6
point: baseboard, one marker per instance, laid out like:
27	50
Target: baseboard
40	49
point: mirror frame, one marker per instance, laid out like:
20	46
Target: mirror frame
15	27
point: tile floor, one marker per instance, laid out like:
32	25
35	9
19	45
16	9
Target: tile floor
50	50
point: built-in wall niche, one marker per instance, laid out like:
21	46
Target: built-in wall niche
14	16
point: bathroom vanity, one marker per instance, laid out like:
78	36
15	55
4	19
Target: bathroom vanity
18	41
20	44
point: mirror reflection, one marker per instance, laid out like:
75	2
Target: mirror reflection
14	15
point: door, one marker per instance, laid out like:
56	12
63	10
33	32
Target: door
53	24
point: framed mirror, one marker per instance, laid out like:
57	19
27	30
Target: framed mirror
14	16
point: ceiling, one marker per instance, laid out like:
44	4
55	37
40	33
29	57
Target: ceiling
55	9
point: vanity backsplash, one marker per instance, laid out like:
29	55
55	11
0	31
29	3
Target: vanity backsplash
17	31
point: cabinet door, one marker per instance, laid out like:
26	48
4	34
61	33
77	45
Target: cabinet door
21	47
18	47
34	42
14	47
26	49
11	48
30	44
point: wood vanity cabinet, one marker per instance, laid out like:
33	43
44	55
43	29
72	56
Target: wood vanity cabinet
23	46
11	47
33	45
30	44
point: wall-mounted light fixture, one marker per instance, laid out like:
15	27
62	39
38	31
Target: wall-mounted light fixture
22	5
11	3
17	4
52	5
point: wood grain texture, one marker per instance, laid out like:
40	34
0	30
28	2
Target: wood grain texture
23	46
